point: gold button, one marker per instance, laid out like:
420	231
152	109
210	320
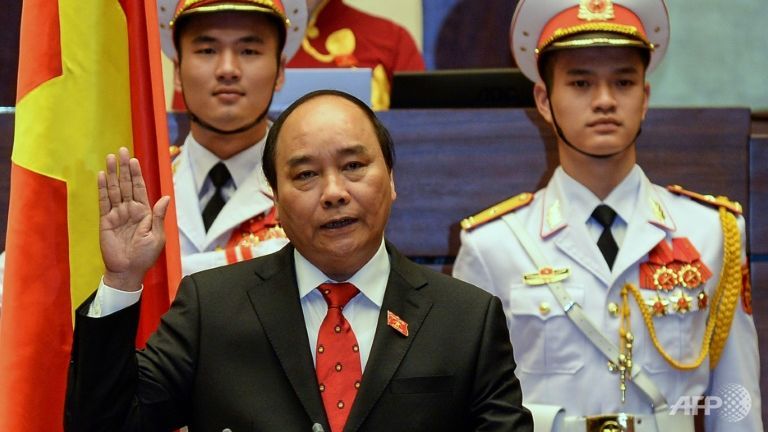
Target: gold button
321	349
337	329
322	387
357	384
327	292
355	348
613	309
338	367
340	404
544	308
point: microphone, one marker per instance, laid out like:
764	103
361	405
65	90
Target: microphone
317	427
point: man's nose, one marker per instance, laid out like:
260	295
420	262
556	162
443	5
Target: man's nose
604	98
228	66
335	192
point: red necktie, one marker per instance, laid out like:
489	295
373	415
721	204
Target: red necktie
338	356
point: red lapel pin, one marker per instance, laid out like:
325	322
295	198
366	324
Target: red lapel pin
397	323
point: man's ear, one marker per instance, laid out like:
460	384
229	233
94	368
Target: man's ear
176	74
392	185
647	98
280	79
541	96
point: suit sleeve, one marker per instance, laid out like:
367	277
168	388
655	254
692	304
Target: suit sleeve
736	379
112	387
497	397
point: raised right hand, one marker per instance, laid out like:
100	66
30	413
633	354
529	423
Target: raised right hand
131	234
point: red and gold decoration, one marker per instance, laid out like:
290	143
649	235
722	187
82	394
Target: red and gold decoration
252	232
672	266
273	7
397	323
540	26
684	259
674	272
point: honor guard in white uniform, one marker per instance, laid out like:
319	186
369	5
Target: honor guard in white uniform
228	62
628	303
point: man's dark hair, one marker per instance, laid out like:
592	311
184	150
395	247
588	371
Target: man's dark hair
270	148
181	23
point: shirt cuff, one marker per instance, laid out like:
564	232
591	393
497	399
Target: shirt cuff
109	300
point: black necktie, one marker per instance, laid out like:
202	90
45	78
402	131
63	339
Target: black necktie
605	215
219	176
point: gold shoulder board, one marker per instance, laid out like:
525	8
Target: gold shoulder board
498	210
719	201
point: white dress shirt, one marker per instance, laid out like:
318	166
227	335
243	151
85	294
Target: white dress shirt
362	311
622	199
240	166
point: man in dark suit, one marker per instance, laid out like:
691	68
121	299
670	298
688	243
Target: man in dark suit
263	345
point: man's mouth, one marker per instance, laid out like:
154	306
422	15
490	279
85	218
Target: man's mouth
604	122
339	223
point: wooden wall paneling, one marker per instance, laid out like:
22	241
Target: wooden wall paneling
758	210
453	163
10	22
6	144
760	311
758	243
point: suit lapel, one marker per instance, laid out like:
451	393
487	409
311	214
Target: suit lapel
276	301
403	298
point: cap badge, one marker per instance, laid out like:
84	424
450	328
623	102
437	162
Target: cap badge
596	10
397	323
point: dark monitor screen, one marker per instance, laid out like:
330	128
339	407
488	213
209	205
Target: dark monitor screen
462	88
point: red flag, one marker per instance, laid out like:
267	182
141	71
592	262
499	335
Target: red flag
89	83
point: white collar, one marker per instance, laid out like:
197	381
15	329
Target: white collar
241	166
581	202
371	279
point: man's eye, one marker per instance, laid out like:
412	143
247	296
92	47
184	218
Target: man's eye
250	52
580	83
304	175
625	82
206	50
353	166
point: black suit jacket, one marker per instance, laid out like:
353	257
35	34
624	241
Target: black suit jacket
232	352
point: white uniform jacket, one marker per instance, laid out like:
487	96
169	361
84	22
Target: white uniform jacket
557	365
201	250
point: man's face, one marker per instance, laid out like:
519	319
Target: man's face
334	190
599	98
228	68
